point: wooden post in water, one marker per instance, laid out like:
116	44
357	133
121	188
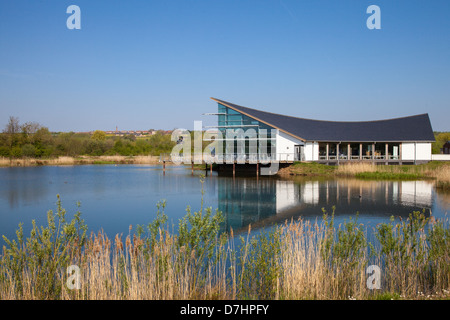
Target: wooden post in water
234	168
164	166
206	168
257	169
192	167
210	167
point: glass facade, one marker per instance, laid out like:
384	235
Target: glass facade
244	136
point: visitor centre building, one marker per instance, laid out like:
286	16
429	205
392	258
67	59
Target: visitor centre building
405	140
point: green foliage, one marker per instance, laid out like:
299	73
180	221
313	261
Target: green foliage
16	152
155	228
99	135
388	175
344	250
197	244
33	140
4	151
260	264
350	247
400	243
312	168
438	239
46	252
441	139
28	150
198	237
413	254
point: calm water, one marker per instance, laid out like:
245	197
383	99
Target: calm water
114	197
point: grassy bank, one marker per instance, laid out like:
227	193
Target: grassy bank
436	170
297	260
65	160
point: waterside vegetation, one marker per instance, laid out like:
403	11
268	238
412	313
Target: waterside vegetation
33	144
198	260
434	170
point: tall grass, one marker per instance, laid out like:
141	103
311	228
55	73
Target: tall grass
297	260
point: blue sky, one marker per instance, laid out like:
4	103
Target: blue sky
142	64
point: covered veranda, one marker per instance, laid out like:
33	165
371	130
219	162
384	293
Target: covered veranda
360	151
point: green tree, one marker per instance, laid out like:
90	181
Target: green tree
99	135
16	152
28	150
11	132
441	139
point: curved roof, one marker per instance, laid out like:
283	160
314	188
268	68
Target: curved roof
412	128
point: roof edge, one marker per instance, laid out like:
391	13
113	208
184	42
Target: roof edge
356	121
253	117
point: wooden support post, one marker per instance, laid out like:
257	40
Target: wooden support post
192	167
360	151
328	151
164	166
257	168
337	153
349	152
373	152
400	153
206	168
234	168
210	167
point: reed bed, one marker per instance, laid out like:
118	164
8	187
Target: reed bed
355	168
297	260
438	171
70	161
432	169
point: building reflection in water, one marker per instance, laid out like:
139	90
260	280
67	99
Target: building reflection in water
262	202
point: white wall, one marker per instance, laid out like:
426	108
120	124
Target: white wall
422	151
285	146
440	157
311	151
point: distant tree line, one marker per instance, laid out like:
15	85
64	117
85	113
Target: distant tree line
33	140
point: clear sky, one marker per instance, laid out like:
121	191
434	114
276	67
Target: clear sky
141	64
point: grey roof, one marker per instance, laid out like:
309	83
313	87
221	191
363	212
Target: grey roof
412	128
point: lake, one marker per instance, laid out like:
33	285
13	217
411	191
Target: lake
113	197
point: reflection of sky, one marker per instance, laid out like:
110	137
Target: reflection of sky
113	197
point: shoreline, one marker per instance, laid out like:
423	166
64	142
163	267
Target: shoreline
434	170
439	171
81	160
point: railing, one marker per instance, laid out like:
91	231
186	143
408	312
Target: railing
262	158
363	157
440	157
230	158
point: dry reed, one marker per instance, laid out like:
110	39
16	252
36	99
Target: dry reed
70	161
123	270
